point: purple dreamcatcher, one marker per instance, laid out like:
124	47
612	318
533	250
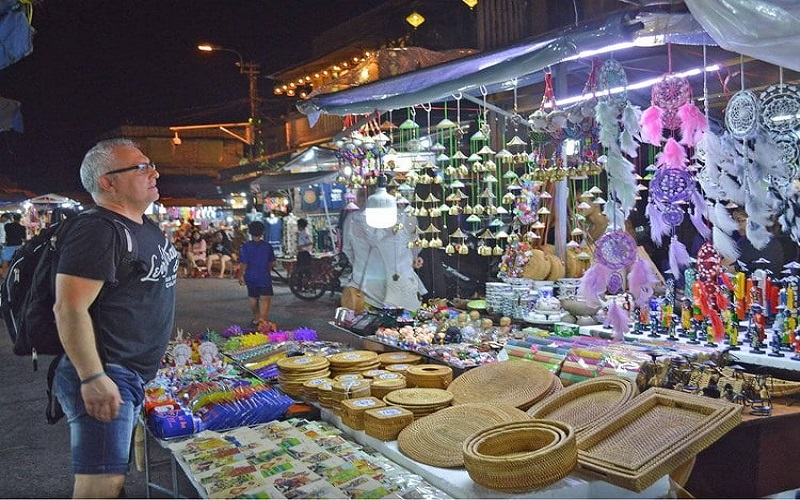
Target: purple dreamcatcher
615	253
673	187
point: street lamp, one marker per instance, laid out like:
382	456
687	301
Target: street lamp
252	70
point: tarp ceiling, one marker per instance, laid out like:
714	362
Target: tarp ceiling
768	30
472	73
286	180
315	165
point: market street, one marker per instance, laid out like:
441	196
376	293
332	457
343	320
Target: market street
34	456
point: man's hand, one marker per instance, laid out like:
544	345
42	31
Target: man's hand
101	398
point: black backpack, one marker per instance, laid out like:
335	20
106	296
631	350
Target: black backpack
27	295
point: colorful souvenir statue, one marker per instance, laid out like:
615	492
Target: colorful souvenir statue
775	344
794	341
733	330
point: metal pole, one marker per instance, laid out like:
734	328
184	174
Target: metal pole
562	191
251	69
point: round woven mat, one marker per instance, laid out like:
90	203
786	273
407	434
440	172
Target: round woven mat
393	358
421	397
438	439
586	403
303	364
350	358
516	383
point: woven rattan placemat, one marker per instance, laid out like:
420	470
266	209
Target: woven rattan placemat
437	439
515	383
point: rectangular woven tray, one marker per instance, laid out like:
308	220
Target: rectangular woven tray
654	434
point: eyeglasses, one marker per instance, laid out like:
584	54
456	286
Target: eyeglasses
141	168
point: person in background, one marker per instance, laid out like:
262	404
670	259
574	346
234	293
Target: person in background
15	237
220	251
197	254
256	259
114	340
305	242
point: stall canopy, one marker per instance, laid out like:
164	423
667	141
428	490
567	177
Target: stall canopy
52	200
315	165
472	74
768	30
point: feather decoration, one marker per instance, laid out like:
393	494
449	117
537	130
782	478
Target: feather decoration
732	189
723	219
725	245
768	155
640	281
658	226
696	216
700	211
651	126
758	235
757	209
631	116
710	149
709	187
618	320
621	181
717	326
693	124
673	155
607	124
678	257
593	284
628	145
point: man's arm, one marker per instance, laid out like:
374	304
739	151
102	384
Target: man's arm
74	296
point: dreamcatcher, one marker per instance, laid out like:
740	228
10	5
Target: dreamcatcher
739	167
673	185
619	132
615	252
706	291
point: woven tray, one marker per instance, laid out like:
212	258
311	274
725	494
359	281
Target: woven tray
586	404
515	383
438	439
521	456
654	434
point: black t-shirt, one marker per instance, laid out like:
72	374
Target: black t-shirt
135	312
15	234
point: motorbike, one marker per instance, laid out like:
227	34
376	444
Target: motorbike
312	277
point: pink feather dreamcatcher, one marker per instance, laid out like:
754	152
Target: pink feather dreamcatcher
615	253
673	186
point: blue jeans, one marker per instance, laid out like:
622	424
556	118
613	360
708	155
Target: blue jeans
99	447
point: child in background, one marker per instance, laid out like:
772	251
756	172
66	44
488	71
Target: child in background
256	260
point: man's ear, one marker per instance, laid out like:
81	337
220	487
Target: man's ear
106	184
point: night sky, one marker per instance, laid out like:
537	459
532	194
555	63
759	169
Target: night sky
99	64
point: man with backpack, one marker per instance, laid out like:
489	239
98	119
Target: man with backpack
114	315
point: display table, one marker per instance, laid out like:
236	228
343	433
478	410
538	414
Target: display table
786	365
458	484
754	460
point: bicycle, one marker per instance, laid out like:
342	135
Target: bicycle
312	277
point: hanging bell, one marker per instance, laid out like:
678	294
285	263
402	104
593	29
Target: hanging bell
450	249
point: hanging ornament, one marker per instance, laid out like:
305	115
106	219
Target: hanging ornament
614	251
